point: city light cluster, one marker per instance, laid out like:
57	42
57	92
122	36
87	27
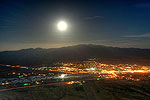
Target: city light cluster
63	70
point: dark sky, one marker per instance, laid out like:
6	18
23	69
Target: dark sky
32	23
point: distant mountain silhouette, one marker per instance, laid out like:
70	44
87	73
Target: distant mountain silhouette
39	56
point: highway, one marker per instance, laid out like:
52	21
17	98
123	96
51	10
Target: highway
57	83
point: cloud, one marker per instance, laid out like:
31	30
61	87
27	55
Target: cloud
124	42
93	17
138	36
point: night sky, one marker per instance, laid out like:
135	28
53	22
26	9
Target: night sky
32	23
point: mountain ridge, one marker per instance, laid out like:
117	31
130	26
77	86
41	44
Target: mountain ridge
73	46
39	56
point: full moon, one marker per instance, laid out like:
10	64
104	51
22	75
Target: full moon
62	26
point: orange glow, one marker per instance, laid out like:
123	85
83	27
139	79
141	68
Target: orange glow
37	82
23	67
8	65
6	83
25	75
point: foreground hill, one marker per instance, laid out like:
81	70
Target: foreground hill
91	90
104	54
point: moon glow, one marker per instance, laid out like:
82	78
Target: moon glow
62	26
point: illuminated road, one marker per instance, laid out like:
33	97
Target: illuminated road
58	83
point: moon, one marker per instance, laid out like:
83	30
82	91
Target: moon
62	26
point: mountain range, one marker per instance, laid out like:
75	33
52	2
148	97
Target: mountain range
104	54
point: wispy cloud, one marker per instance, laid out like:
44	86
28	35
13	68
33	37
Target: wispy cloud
138	36
93	17
124	42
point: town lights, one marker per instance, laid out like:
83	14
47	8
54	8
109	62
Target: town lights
62	75
92	68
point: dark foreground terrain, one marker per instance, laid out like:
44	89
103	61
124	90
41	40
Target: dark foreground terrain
91	90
